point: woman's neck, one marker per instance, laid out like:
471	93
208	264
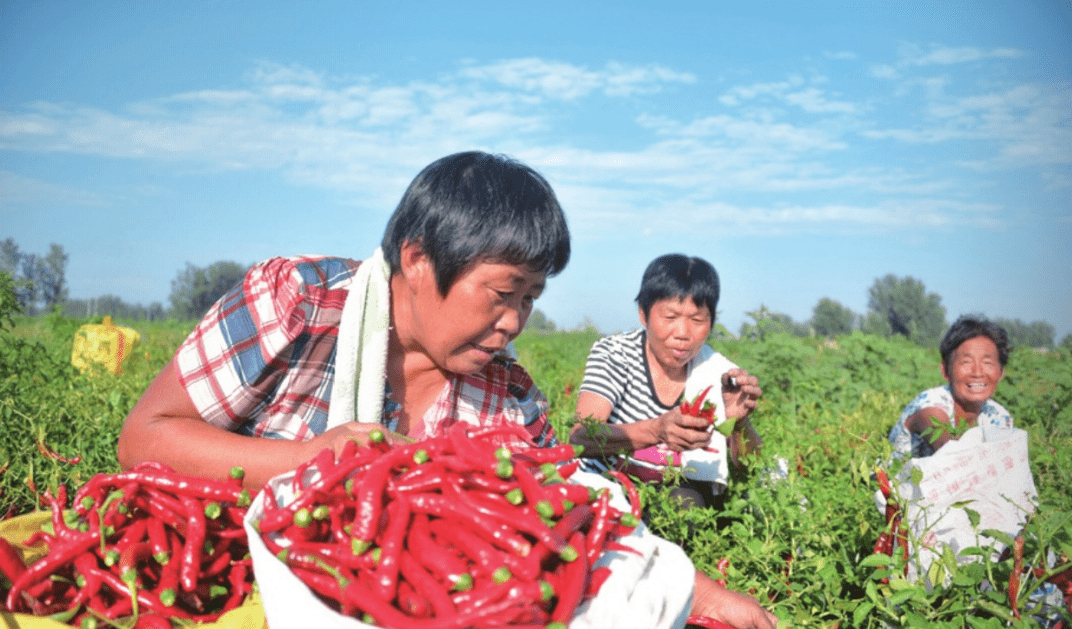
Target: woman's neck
415	379
966	414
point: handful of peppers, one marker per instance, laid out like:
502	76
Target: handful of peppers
147	545
703	408
475	528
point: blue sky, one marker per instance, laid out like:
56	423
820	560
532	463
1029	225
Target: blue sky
804	148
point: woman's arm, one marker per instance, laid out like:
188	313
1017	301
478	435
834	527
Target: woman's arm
932	424
165	426
600	438
733	608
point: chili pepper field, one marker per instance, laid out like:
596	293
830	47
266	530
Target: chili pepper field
801	542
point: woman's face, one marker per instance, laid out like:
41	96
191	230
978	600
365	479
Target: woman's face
676	328
486	308
974	372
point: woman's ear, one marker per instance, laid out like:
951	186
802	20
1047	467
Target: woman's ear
415	264
643	319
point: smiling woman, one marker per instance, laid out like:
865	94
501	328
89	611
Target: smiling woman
974	353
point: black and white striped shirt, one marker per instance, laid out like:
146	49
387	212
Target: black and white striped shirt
617	370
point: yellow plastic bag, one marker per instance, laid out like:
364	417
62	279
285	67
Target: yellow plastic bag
19	529
106	344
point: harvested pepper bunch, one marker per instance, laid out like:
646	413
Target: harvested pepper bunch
455	531
705	409
148	543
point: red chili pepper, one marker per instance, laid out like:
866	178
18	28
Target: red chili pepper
183	485
883	482
240	582
448	566
426	586
43	568
575	576
723	565
485	557
575	519
11	563
507	516
49	453
694	407
359	596
1014	577
393	542
130	559
598	578
554	454
167	587
371	491
192	547
500	534
631	492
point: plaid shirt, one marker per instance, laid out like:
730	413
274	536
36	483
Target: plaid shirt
262	361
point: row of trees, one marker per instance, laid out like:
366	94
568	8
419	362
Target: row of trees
896	305
40	282
40	285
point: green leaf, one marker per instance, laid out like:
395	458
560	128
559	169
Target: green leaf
861	612
904	595
877	559
1000	536
973	516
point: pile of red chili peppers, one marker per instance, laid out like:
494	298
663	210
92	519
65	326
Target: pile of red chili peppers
148	543
455	531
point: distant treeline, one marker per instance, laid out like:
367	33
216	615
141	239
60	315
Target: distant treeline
896	305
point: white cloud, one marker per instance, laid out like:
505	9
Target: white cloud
564	81
812	100
944	55
884	71
776	140
793	91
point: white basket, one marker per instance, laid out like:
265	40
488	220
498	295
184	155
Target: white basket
652	590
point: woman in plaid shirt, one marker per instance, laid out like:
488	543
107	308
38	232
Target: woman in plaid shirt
469	248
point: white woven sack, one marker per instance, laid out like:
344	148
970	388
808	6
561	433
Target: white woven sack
649	591
991	472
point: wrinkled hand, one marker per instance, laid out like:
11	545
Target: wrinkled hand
682	432
732	608
337	437
739	399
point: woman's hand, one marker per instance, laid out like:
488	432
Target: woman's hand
733	608
681	432
740	392
336	438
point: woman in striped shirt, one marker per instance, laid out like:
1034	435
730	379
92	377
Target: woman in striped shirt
634	382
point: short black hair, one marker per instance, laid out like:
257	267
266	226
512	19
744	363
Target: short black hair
475	206
676	276
968	327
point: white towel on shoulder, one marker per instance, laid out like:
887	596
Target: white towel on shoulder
361	351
